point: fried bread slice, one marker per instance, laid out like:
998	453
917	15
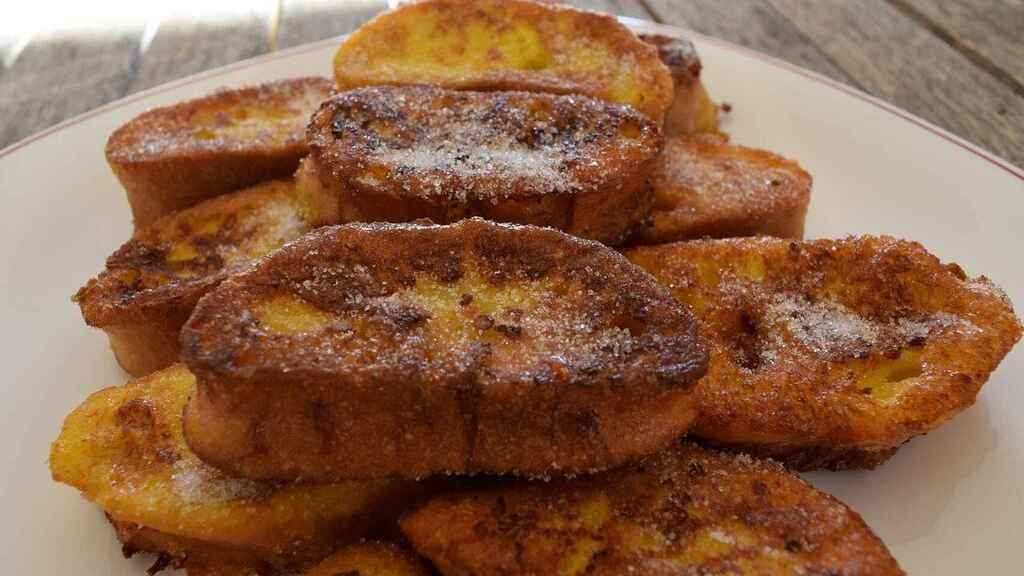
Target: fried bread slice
396	154
173	157
506	45
833	353
691	110
687	510
373	349
705	187
196	557
151	283
123	449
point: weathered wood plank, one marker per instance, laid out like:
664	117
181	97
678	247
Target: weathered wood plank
305	21
6	45
894	58
633	8
751	23
57	76
990	33
187	43
922	55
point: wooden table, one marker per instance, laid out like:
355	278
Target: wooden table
956	63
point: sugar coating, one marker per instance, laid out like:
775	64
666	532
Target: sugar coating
198	483
236	120
733	178
684	510
465	146
832	331
544	327
470	327
833	353
502	158
196	247
678	54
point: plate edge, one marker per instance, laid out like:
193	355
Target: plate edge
634	23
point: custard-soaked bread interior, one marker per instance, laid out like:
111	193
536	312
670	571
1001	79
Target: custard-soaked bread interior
705	187
692	110
124	449
370	350
395	154
833	353
506	45
174	157
371	559
151	283
687	510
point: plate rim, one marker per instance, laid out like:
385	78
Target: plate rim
903	544
633	23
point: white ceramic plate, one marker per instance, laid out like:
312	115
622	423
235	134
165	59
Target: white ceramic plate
948	503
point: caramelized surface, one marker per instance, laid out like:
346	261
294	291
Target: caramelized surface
123	448
174	157
678	55
691	110
151	283
265	117
683	511
705	187
429	342
370	559
832	353
196	246
196	557
401	153
199	558
506	45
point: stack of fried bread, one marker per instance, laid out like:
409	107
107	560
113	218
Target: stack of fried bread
382	326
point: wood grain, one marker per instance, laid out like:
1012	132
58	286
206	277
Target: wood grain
632	8
6	45
305	21
751	23
893	57
958	64
989	33
58	76
185	45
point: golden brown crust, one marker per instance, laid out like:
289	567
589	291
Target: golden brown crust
396	154
196	557
200	558
807	458
370	559
832	353
369	350
691	110
124	449
506	45
173	157
705	187
678	55
687	510
150	284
